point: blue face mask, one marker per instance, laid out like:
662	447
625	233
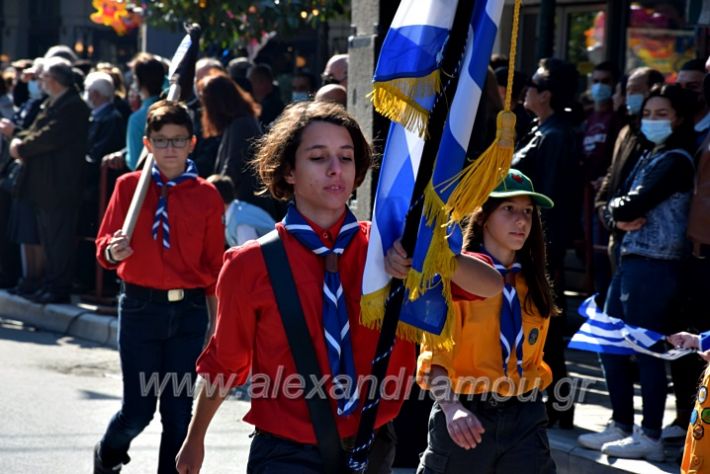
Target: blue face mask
299	96
634	103
601	92
34	89
656	131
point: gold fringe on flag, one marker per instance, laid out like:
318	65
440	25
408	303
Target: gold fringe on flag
372	308
396	100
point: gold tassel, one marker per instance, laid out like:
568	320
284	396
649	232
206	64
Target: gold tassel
396	100
372	312
482	176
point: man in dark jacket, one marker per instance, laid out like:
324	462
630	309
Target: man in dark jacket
53	151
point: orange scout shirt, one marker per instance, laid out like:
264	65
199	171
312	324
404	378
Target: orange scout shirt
697	443
475	365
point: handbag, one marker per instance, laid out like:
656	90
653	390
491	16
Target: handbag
11	177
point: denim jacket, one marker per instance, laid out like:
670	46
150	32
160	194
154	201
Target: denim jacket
663	234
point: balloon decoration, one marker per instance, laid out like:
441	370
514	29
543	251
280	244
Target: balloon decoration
114	13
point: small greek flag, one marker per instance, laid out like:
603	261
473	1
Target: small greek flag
608	335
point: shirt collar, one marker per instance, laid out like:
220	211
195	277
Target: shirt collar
95	113
329	235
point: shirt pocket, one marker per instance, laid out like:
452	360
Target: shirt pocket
188	240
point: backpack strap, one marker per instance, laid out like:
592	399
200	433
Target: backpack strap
302	350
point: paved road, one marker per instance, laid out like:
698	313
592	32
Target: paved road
57	395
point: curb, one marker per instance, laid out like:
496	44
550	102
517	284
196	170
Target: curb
66	319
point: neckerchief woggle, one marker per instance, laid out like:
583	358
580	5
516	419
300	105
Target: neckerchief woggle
161	212
336	326
511	318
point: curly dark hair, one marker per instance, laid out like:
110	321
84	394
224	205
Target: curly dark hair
532	256
276	151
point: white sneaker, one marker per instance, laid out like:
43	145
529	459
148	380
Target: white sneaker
636	446
596	440
672	432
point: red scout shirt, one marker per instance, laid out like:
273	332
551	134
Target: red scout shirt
195	211
250	336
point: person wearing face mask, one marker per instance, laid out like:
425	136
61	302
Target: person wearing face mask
691	76
652	209
629	146
302	86
600	131
686	371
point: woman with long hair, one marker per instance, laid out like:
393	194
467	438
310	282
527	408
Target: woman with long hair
652	208
231	113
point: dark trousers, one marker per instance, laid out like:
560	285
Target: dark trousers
515	440
270	454
642	293
9	251
57	234
159	344
687	371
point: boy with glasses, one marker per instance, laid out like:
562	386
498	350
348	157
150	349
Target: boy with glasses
168	270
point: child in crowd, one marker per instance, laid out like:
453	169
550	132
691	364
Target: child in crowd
488	414
697	446
169	271
242	221
316	154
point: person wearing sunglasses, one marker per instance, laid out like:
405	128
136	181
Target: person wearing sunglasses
169	271
548	155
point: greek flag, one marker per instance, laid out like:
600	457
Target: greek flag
408	67
608	335
433	257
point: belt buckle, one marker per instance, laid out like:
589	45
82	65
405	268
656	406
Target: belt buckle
175	295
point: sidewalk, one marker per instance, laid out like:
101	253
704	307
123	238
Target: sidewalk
592	410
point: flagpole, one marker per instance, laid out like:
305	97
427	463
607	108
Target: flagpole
181	72
450	64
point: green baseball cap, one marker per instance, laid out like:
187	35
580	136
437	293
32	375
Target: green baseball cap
517	184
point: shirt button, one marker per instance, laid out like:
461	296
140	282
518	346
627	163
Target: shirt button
326	236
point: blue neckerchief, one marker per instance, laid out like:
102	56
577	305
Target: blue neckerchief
161	212
511	317
336	326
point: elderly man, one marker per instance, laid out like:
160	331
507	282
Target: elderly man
107	129
336	70
52	151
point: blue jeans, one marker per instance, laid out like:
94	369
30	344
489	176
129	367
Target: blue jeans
642	293
159	344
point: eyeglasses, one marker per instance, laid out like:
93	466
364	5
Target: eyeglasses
537	87
330	79
177	142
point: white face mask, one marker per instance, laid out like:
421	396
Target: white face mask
299	96
657	131
34	89
601	92
634	103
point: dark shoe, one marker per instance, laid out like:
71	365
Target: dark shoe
49	297
100	468
24	288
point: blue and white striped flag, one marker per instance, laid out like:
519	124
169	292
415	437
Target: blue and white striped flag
433	262
403	151
608	335
407	70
